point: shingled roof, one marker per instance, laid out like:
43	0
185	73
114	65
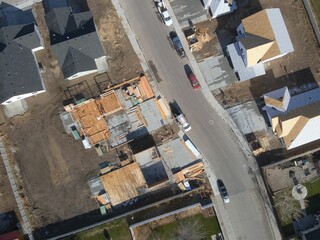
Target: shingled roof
19	71
74	40
266	36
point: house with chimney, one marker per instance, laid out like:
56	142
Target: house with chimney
261	37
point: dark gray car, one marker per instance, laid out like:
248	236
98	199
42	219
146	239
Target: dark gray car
177	43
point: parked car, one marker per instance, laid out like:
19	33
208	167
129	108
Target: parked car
179	117
223	191
194	81
177	43
163	11
183	122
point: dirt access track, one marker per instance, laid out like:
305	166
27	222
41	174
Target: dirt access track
52	168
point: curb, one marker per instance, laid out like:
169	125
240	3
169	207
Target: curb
251	162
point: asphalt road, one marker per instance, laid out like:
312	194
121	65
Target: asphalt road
209	133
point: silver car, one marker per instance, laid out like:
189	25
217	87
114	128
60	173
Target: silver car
183	122
223	191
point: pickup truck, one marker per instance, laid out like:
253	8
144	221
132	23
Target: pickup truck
179	117
163	11
177	43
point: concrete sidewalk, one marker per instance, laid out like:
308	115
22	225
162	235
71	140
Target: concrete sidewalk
312	19
222	215
251	162
221	211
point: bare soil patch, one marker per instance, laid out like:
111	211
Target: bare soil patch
52	167
7	200
123	63
212	46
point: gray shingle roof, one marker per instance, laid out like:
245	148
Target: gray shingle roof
295	102
19	71
74	40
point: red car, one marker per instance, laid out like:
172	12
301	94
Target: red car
194	81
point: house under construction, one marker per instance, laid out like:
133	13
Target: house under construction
122	113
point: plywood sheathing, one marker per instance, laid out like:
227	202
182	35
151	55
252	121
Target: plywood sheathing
145	88
90	116
92	124
122	184
109	103
189	172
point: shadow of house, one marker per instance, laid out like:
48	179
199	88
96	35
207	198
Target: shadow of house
11	15
75	42
298	82
227	25
19	40
76	6
8	222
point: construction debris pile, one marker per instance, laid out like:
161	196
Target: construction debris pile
196	37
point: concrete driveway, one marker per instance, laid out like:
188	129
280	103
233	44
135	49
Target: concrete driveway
188	9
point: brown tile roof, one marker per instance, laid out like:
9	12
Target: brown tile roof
259	32
290	125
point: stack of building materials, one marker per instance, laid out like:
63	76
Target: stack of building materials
189	172
145	88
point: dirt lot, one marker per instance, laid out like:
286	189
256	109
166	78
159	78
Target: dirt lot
210	48
122	60
6	195
284	71
54	168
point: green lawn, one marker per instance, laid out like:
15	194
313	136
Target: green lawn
117	230
316	10
313	205
313	196
209	226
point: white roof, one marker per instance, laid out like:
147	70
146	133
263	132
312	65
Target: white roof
280	30
235	55
310	133
251	72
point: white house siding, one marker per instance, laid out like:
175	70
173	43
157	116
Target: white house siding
102	64
22	96
81	74
219	7
310	133
270	59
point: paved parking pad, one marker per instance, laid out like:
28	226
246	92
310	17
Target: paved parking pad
217	72
188	9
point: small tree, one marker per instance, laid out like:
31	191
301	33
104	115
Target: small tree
189	230
106	234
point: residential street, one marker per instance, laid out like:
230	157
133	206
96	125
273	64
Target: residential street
209	133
